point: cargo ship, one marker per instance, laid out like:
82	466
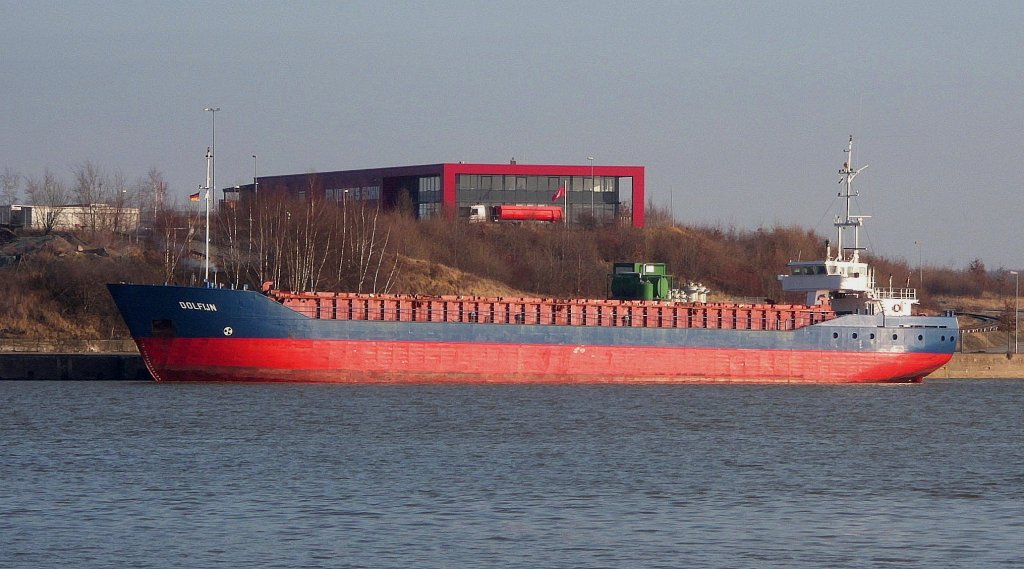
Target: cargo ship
848	330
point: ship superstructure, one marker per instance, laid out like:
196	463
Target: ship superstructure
842	280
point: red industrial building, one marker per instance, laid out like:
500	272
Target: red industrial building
460	188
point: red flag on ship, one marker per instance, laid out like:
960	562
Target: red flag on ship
194	197
559	194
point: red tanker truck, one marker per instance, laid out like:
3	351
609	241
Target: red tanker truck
538	213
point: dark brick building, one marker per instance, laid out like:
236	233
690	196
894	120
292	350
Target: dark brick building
607	193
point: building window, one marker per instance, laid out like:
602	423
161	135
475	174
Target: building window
427	210
430	189
467	182
430	184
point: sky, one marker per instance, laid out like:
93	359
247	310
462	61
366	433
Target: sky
739	111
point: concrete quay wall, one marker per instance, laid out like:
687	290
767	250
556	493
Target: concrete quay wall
72	367
982	366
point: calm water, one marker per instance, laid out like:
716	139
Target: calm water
154	475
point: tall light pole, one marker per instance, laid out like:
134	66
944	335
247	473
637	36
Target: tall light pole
255	188
593	187
213	146
920	265
1016	307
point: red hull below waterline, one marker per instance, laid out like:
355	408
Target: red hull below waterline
351	361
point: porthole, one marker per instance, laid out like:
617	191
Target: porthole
835	335
854	335
872	336
920	337
894	337
943	338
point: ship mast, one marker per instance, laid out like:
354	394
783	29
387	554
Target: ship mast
209	185
847	174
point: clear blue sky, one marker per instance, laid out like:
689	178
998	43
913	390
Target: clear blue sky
739	110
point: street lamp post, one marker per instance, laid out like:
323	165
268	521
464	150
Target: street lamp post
1016	307
920	265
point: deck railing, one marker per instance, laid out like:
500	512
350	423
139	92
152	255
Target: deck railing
896	293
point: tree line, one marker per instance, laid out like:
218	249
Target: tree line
104	196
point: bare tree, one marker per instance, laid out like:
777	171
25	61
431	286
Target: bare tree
230	258
275	220
142	194
175	231
363	250
121	197
10	181
309	241
271	215
88	191
50	193
154	197
365	244
312	239
293	235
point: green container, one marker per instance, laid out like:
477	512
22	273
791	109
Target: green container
624	286
647	290
639	281
661	287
